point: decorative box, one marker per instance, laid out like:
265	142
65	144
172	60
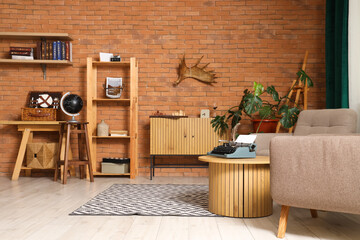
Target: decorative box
38	114
115	165
41	155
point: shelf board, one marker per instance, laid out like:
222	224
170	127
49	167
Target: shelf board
111	137
35	35
111	100
36	61
98	63
110	174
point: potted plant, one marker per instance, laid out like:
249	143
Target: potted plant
271	111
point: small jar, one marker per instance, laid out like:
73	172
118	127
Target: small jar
102	129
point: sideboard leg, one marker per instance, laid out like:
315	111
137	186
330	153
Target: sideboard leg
153	170
151	166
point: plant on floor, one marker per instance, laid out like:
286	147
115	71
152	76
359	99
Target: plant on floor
252	103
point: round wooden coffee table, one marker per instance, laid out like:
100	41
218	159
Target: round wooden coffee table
239	187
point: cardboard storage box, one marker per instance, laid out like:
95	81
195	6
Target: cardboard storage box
41	155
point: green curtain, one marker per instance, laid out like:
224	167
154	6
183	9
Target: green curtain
336	47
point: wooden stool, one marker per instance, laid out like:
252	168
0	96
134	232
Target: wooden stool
81	129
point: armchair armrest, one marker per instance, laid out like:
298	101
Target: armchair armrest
317	172
263	142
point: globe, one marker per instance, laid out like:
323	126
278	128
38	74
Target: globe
71	104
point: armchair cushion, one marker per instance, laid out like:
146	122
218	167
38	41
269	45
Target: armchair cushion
340	121
325	121
317	172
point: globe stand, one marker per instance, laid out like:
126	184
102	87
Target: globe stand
71	111
73	120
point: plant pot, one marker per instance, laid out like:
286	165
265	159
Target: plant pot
267	125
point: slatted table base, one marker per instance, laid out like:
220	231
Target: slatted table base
240	190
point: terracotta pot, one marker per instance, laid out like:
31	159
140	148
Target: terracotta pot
267	125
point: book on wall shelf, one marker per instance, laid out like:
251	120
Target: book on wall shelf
24	53
18	57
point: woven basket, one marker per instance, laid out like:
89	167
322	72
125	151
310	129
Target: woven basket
38	114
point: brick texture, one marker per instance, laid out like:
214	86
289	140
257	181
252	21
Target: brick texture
244	41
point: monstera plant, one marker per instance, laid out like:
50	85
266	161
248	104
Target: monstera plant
252	103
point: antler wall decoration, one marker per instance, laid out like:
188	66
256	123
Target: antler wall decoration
195	72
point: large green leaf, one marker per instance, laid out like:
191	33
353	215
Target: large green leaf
258	89
304	77
289	116
231	114
219	124
266	112
252	103
275	95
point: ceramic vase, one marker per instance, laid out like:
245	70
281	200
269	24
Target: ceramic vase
102	129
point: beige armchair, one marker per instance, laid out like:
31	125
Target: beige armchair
317	168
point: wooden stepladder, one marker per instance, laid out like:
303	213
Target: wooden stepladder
298	87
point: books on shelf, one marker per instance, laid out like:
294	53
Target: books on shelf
118	133
23	53
45	50
55	50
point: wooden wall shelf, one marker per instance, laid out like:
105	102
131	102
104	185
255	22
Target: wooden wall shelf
36	61
39	37
35	35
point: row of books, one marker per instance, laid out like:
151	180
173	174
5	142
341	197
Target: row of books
45	50
54	50
22	53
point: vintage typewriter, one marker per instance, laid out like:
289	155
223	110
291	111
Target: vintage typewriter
234	150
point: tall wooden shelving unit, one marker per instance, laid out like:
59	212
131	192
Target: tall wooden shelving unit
131	103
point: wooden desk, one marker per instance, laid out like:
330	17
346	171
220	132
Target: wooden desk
27	128
239	187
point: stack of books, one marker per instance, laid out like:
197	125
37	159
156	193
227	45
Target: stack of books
118	133
23	53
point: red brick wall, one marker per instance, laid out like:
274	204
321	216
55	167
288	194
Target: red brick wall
244	41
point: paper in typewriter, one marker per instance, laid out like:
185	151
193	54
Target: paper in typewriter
246	139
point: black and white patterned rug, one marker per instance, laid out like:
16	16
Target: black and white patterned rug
149	200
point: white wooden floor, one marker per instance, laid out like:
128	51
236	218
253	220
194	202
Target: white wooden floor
38	208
